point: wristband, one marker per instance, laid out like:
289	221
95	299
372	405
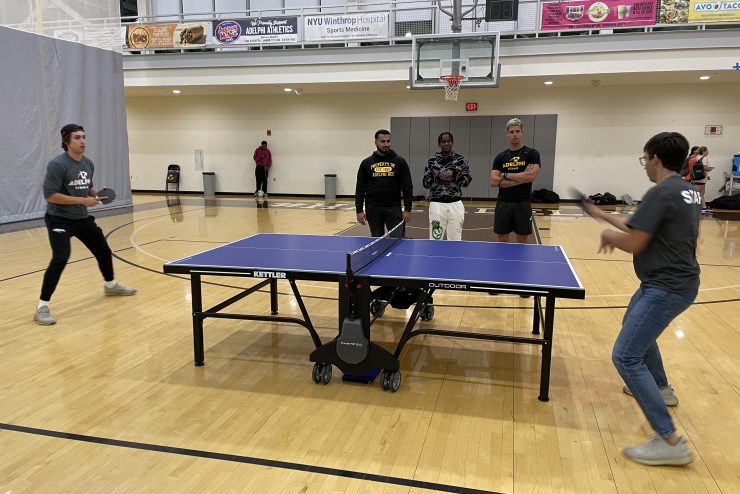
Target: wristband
503	177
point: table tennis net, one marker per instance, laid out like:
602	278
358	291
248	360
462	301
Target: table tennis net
360	258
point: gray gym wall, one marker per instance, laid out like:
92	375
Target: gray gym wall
479	139
47	83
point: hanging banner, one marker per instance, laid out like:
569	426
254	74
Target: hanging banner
601	14
701	12
262	30
345	26
191	34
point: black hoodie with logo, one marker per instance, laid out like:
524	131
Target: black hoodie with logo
382	180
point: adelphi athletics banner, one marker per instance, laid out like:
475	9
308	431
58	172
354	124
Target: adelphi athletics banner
345	26
258	30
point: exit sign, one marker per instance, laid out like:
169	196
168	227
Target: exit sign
471	106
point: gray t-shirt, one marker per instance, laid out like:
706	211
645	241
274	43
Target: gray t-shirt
73	178
669	212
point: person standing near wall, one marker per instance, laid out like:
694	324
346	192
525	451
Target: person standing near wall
69	191
445	175
702	158
513	172
383	181
263	162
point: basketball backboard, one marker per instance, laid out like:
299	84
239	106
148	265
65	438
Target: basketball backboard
473	56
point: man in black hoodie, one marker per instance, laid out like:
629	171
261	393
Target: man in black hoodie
382	180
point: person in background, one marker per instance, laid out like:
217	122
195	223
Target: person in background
263	161
383	182
702	156
513	172
690	160
445	175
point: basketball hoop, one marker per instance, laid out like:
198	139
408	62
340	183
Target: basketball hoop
451	84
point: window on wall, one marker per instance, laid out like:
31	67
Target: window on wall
294	6
267	6
333	6
202	8
231	6
166	8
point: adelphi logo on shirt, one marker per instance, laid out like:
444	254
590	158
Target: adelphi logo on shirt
82	182
514	163
383	169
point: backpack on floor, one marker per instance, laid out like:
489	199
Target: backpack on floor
545	196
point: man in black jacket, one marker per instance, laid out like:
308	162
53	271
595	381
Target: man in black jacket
382	180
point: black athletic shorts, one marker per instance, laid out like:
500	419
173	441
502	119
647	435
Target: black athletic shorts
512	217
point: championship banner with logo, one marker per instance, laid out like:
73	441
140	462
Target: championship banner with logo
600	14
184	35
345	26
262	30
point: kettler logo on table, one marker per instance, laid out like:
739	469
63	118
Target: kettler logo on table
268	274
449	286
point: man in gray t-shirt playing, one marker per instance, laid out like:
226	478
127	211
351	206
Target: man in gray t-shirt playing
69	191
661	235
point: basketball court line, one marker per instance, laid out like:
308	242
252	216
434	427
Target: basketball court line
250	460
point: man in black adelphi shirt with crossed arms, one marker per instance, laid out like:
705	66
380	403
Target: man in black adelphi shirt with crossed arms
383	179
513	172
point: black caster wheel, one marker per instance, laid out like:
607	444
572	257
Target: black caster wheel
385	380
377	308
427	313
316	372
326	373
394	380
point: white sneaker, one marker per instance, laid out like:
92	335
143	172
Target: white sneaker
260	193
657	451
669	396
118	290
43	316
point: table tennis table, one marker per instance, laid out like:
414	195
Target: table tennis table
539	271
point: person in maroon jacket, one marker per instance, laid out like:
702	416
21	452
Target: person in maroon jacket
263	160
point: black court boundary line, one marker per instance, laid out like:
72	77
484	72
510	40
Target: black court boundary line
250	460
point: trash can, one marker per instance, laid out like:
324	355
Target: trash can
330	186
209	183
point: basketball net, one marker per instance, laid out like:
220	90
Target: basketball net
451	84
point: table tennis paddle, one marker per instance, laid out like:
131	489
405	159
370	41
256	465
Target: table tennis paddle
577	194
106	195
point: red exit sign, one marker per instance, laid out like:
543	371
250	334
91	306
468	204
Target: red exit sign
471	106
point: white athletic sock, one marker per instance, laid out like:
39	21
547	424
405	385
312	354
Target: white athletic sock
110	284
42	303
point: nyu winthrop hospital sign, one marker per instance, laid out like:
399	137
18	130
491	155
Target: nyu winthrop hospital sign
345	26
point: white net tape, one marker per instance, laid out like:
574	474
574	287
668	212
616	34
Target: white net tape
451	85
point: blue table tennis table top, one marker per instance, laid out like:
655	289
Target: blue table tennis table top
530	265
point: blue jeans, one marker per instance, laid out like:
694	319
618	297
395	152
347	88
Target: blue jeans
636	355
